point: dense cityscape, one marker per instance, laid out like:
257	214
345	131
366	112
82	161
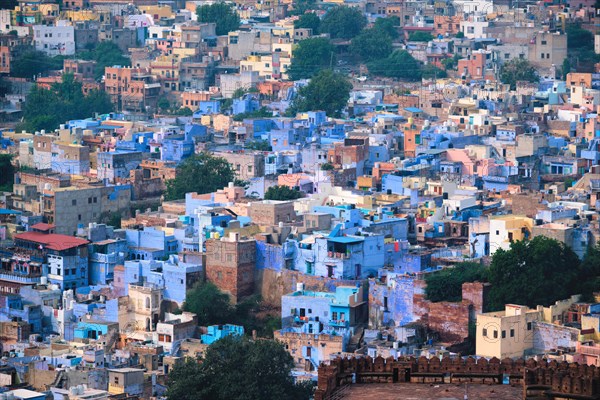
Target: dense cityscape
296	199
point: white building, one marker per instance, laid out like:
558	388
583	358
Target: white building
54	40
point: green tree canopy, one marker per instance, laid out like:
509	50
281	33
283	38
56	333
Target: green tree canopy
578	38
29	63
388	25
310	56
48	108
430	71
517	70
261	145
372	44
400	64
343	22
328	91
302	6
420	36
282	193
531	273
310	20
7	172
235	369
106	54
210	305
225	16
202	173
446	285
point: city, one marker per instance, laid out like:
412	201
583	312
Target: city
297	199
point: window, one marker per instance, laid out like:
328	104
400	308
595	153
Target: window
116	380
79	217
495	334
544	42
73	202
334	315
484	333
529	326
503	334
512	333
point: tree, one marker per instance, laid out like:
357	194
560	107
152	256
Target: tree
327	167
328	91
210	305
226	18
451	62
566	68
430	71
302	6
237	368
48	108
163	103
371	44
400	64
460	35
30	63
310	20
343	22
590	274
446	285
517	70
261	145
7	172
310	56
420	36
282	193
202	173
536	272
106	54
579	38
262	112
388	25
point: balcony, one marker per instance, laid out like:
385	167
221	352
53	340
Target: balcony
339	324
20	278
341	256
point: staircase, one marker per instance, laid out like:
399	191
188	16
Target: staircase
355	340
175	348
58	380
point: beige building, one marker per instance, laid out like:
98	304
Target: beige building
272	212
547	49
246	165
511	333
302	347
126	380
144	303
505	229
507	333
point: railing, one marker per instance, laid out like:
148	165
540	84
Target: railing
20	278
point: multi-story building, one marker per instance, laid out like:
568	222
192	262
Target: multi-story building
62	259
131	89
54	40
116	165
230	264
548	49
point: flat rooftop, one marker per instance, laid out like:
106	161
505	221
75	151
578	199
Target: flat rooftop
415	391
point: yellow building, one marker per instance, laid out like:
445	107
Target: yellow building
157	11
505	229
271	67
510	333
79	15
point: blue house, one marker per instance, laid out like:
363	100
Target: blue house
216	332
245	104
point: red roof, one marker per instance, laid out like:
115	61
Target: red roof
52	241
43	226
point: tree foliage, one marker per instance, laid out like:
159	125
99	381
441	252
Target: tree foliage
210	305
262	112
30	63
517	70
430	71
240	369
311	56
226	18
328	91
302	6
539	271
343	22
400	64
446	285
202	173
578	38
420	36
48	108
261	145
106	54
309	20
388	25
7	172
282	193
372	44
